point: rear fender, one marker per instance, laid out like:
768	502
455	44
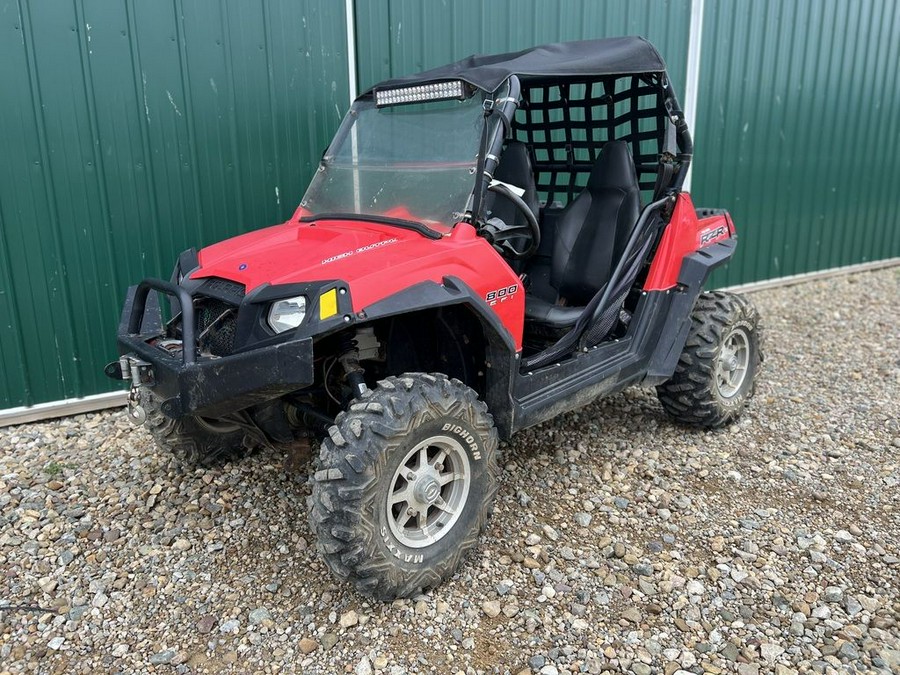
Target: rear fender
695	270
689	230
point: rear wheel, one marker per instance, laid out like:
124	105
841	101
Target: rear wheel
193	440
716	374
404	484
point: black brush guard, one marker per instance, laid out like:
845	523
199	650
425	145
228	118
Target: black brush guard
188	383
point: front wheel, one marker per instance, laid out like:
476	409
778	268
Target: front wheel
716	374
194	441
404	484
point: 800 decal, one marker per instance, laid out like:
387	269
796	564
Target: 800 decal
501	294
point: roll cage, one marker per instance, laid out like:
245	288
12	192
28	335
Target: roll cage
564	122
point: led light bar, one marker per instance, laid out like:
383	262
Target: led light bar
435	91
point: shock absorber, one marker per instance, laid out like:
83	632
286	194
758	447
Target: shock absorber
349	360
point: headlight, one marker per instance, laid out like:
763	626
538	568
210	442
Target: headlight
288	313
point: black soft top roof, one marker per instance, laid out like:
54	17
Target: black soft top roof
608	56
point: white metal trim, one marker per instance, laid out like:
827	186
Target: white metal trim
794	279
350	12
692	85
63	408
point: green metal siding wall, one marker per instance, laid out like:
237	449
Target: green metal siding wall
797	132
404	36
797	118
130	131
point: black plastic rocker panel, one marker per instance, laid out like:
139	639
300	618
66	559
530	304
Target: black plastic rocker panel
647	354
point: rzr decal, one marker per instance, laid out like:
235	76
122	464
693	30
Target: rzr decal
713	235
501	294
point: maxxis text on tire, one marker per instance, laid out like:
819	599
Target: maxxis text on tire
359	529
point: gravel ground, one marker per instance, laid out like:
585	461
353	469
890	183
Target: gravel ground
620	542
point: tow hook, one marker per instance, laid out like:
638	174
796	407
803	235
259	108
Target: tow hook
139	373
136	413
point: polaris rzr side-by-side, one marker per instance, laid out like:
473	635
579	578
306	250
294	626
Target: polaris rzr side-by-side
484	246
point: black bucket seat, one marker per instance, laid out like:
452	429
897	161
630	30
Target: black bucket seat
590	237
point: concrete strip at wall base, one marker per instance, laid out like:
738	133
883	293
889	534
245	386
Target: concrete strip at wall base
794	279
63	408
76	406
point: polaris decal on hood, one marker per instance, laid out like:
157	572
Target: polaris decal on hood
361	249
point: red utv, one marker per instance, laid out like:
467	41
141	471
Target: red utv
484	246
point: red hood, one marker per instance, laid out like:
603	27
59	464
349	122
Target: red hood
294	251
375	261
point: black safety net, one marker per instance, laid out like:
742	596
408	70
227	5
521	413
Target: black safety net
566	123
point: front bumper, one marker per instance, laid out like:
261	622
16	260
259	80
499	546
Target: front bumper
188	383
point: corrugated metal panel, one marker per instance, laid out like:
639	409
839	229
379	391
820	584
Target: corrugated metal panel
406	36
130	132
798	130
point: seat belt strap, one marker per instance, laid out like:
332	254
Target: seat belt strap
666	168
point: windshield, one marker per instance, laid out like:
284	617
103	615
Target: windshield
413	162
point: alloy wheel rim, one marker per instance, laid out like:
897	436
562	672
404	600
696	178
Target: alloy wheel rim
428	491
733	363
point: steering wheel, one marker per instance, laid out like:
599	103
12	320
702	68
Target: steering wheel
501	235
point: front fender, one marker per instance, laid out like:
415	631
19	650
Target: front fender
501	354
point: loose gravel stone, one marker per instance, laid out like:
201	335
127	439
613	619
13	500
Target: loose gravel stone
182	545
843	536
230	626
620	542
583	519
550	533
632	614
258	615
537	662
833	594
206	624
770	651
162	657
349	619
308	645
364	667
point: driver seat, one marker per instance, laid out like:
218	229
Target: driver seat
590	237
